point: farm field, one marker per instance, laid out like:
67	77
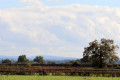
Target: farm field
58	71
11	77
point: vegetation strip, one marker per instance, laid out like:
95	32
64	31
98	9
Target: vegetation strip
2	77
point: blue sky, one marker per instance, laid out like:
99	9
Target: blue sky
17	4
110	3
56	27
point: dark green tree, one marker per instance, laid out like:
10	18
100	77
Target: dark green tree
101	53
86	59
75	63
39	59
7	61
22	59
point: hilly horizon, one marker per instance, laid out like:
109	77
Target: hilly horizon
48	58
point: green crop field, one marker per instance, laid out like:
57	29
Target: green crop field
9	77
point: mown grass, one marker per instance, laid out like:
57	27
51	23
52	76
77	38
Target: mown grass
10	77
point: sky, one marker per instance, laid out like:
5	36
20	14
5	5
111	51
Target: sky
56	27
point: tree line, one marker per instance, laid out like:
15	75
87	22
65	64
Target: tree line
23	59
98	53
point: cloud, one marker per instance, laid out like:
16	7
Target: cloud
60	30
32	2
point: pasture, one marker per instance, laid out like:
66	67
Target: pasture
14	77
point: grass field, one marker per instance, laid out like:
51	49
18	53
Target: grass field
9	77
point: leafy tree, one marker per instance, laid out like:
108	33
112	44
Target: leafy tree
102	52
6	61
76	63
39	59
86	59
22	58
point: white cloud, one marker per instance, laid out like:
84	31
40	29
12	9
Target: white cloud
33	2
59	30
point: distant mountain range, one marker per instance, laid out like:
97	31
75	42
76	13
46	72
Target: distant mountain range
56	59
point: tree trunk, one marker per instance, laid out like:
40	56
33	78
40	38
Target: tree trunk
101	61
